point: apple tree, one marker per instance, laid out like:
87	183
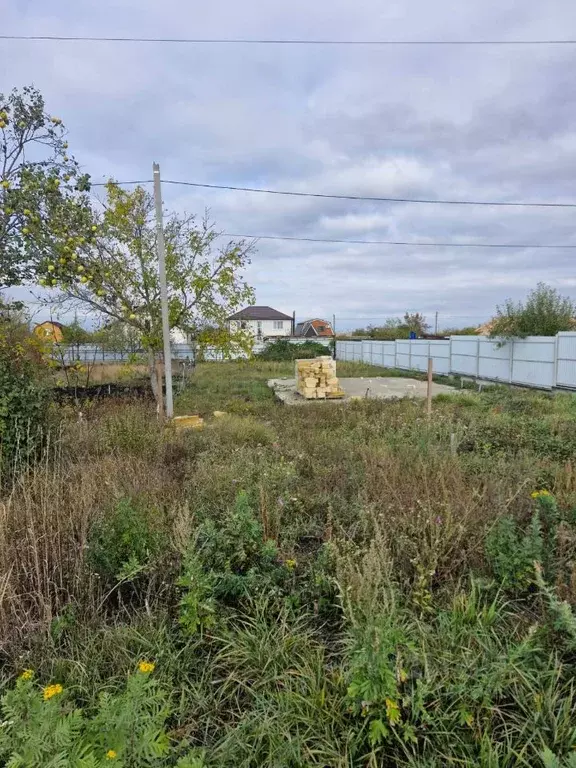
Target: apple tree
114	274
43	205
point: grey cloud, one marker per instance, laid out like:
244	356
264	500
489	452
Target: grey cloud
424	122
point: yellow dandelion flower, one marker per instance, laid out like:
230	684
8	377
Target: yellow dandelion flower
290	564
111	754
146	667
28	674
52	690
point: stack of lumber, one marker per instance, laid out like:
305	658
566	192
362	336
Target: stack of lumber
316	379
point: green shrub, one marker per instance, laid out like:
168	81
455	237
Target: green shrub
197	605
228	560
124	542
512	551
284	350
23	402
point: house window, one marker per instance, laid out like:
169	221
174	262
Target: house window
278	325
243	325
259	327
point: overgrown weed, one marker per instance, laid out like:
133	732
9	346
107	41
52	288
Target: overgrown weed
344	585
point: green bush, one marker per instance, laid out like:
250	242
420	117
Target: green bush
23	402
512	550
124	542
229	560
284	350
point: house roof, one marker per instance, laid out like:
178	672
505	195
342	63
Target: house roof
321	327
259	313
49	322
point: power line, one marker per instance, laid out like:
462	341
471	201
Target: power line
434	244
397	242
368	198
121	183
395	315
262	190
275	41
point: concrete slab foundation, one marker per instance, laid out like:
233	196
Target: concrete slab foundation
381	387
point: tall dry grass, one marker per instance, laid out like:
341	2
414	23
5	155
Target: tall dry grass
47	514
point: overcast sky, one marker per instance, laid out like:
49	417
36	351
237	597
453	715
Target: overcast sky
493	123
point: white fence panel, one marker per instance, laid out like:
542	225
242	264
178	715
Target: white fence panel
464	355
367	351
389	348
403	354
419	352
534	361
494	361
566	360
537	361
376	354
440	353
344	350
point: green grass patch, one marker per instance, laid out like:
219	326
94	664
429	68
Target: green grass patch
354	585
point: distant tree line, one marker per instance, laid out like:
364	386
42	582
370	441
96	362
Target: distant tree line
545	312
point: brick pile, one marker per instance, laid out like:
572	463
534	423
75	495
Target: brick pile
316	379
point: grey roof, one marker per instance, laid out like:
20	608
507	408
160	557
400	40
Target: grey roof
259	313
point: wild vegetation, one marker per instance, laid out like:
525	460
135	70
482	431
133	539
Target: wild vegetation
396	328
330	585
545	312
282	349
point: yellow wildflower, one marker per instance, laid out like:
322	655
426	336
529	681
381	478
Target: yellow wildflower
146	667
290	564
28	674
111	755
52	690
540	494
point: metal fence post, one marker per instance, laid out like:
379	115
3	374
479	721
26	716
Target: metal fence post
555	366
478	357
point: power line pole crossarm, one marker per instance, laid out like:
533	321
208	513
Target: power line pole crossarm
161	249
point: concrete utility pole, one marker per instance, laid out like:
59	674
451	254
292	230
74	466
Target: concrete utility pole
163	292
436	324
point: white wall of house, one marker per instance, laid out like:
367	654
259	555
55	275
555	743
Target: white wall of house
265	329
